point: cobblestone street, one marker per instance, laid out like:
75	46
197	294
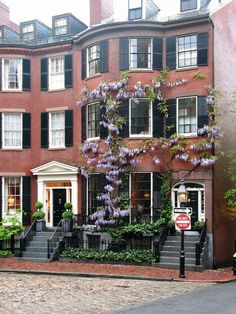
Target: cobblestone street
25	293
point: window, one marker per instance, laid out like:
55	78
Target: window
140	53
140	117
12	130
1	33
61	26
56	73
141	197
135	9
187	116
94	59
12	74
187	5
57	129
96	185
187	51
28	32
12	194
93	120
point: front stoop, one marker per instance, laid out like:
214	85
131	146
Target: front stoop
37	247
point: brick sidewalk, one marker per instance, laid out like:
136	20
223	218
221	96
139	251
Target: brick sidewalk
90	269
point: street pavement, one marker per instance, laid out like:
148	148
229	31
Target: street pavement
49	294
215	299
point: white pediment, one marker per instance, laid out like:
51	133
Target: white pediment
54	168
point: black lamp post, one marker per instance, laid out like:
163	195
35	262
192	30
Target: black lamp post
183	198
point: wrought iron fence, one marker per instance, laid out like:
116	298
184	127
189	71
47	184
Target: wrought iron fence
12	245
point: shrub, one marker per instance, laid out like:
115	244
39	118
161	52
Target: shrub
198	225
5	253
68	205
38	205
67	214
39	214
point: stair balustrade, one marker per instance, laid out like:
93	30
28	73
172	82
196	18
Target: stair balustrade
199	245
54	238
158	244
27	237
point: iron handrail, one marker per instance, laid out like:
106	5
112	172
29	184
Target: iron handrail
27	236
50	240
200	243
158	244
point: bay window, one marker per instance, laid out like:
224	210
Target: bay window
187	51
93	120
187	116
140	53
140	117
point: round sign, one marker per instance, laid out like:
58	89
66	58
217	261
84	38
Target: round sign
183	221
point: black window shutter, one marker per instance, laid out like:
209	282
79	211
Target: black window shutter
84	123
157	183
104	56
44	74
26	75
157	120
26	130
157	53
124	113
68	71
69	128
124	187
202	109
103	130
102	182
44	129
26	202
202	49
124	53
171	52
0	198
171	120
83	199
0	130
84	63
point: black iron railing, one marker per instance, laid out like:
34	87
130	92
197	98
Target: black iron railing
158	244
53	241
199	245
12	244
27	237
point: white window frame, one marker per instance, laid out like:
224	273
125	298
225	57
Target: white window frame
59	25
150	119
88	62
151	52
177	52
191	10
133	7
51	131
87	113
5	79
54	75
5	210
177	117
3	130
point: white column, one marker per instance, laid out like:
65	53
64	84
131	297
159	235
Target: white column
40	191
74	196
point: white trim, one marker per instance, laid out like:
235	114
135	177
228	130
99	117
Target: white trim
4	88
192	10
50	88
50	129
65	169
151	53
177	52
177	117
88	75
3	131
87	120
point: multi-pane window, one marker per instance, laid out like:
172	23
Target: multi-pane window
140	117
56	73
187	116
187	5
61	26
28	32
140	53
12	74
12	130
12	194
187	51
141	196
57	129
95	188
94	59
135	9
93	120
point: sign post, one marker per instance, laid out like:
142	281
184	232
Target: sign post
182	222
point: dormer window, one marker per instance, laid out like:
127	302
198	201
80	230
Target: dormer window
61	26
188	5
28	32
135	9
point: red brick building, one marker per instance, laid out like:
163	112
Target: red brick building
42	72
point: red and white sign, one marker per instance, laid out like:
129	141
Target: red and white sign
182	222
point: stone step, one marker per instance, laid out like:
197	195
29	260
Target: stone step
44	238
186	238
175	260
178	243
36	249
36	259
177	248
35	254
176	266
40	243
177	254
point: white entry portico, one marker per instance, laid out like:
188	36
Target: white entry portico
57	183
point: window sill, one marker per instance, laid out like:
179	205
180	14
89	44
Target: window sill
141	70
57	148
56	90
12	91
93	76
187	69
12	149
90	139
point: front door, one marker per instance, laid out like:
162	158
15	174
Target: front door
193	202
59	199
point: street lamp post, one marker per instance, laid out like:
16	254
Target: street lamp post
183	197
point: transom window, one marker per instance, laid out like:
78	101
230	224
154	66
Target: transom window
140	117
187	5
28	32
12	74
93	120
135	9
187	116
187	51
12	130
61	26
12	194
94	59
57	129
56	73
140	53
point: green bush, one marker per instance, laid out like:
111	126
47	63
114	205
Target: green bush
39	214
5	253
38	205
68	205
67	214
198	225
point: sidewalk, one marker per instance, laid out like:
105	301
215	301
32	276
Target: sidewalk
13	264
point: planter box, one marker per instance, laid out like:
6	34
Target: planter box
67	225
40	225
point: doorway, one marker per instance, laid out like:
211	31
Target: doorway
59	199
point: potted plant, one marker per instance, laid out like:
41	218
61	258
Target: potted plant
198	225
67	216
39	215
